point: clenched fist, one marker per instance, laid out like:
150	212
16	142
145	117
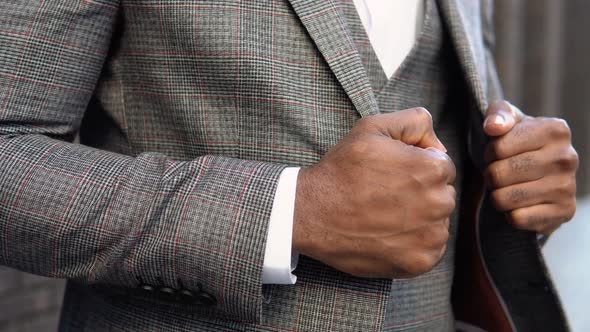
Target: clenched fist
532	168
378	203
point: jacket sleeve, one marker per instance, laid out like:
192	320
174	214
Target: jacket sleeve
96	217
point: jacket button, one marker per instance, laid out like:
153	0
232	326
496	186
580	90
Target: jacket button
167	290
206	299
166	293
147	288
186	296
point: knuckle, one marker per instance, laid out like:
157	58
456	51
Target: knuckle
420	264
452	194
439	169
448	205
437	211
568	160
567	213
497	148
567	187
441	236
441	205
570	211
442	252
451	205
528	221
559	128
423	115
451	171
494	174
436	237
519	220
499	200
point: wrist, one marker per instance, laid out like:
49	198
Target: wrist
302	234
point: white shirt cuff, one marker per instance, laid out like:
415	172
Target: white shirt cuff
279	260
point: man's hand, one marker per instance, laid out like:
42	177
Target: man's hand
378	203
532	168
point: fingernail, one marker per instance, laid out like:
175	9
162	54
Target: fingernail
497	119
439	152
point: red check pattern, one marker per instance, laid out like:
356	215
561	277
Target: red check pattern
187	113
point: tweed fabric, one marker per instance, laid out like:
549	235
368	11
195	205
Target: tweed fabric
187	113
205	103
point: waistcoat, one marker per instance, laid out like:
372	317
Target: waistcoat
428	77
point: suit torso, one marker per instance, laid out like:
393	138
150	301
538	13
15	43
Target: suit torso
275	81
245	80
206	103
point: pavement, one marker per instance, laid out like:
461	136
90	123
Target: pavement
567	253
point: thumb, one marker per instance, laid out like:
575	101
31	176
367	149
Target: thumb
501	117
412	126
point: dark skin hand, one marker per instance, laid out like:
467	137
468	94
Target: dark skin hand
531	168
378	203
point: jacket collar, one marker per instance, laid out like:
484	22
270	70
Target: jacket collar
323	22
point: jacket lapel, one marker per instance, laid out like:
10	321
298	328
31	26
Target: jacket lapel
324	24
463	18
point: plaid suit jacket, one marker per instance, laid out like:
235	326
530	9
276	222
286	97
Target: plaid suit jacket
187	112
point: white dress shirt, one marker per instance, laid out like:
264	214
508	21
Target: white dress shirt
392	27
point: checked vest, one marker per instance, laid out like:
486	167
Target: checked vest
429	77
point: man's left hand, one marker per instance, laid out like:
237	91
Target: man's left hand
531	168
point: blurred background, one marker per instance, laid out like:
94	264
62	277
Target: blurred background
543	56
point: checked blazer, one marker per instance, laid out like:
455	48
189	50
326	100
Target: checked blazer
187	111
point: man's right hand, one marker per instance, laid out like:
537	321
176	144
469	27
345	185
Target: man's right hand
378	203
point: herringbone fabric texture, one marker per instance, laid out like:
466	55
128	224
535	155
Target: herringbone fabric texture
187	113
